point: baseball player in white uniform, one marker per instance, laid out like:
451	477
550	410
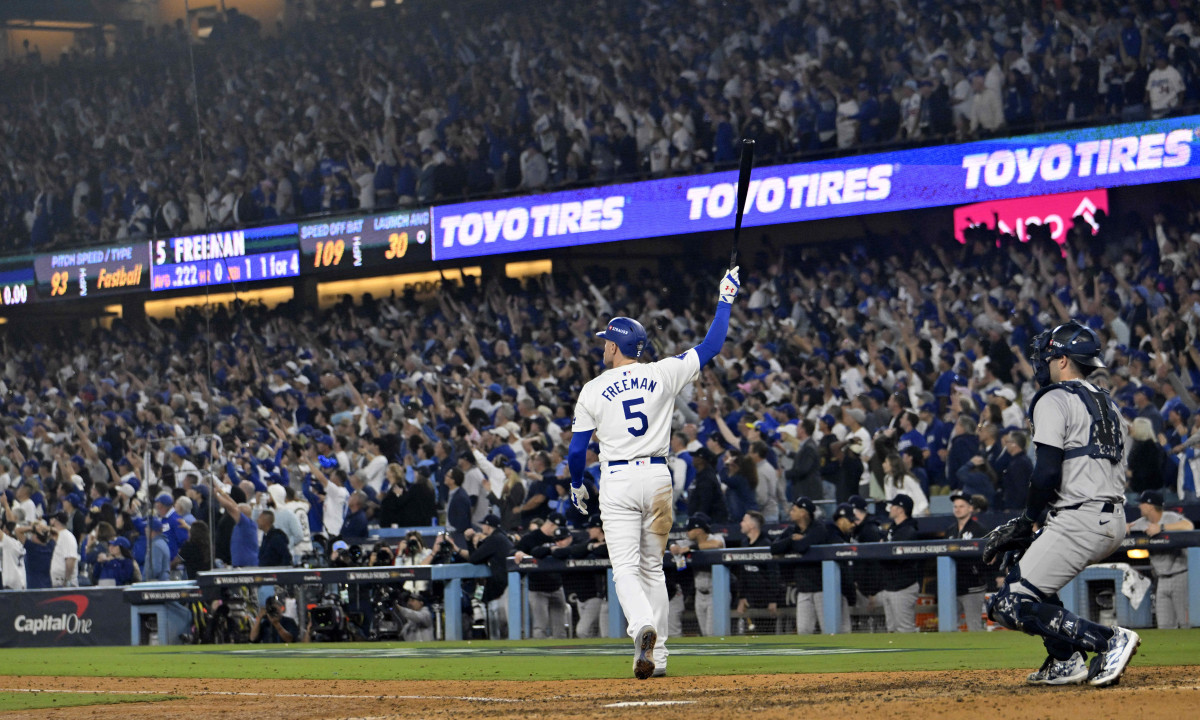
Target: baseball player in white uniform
629	408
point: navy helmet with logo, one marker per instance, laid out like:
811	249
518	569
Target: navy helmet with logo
628	334
1072	340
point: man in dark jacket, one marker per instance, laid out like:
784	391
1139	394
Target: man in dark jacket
758	585
868	576
458	503
274	550
706	497
493	548
805	475
588	588
971	572
1014	485
547	604
901	578
804	532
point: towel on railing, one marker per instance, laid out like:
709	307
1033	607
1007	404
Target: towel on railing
1134	585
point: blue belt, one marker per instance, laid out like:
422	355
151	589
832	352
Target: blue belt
656	460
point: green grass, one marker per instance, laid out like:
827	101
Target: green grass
571	659
10	701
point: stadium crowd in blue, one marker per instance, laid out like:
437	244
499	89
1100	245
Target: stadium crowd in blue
355	108
885	366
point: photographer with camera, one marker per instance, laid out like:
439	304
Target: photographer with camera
272	626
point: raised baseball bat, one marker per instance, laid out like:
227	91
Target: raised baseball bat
743	189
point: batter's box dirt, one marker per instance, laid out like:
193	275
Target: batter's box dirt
1146	693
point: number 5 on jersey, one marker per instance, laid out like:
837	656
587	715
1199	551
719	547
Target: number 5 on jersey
631	414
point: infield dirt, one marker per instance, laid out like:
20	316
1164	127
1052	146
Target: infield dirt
1144	693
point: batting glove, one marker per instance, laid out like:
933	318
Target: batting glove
730	286
579	496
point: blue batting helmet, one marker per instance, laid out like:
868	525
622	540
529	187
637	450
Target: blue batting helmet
628	334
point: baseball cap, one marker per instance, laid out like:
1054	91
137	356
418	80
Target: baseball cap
859	416
857	502
491	519
340	545
699	520
827	418
180	450
120	542
903	501
556	518
1151	497
1007	393
61	517
594	522
844	511
960	495
126	489
561	533
806	504
76	499
165	499
156	525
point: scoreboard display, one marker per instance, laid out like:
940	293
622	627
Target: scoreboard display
373	243
235	256
92	272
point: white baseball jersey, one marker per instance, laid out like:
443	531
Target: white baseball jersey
630	407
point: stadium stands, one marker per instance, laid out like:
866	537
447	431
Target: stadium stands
366	108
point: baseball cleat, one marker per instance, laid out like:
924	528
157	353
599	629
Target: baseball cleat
643	661
659	672
1121	648
1071	671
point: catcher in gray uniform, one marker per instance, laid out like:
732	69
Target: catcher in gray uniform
1079	478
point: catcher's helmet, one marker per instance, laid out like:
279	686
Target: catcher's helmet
1071	339
628	334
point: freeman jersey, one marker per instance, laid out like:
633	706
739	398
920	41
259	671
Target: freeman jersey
1061	420
631	407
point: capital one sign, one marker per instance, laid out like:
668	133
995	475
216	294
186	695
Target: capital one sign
1014	217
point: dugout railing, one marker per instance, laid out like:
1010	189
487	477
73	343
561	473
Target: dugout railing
834	560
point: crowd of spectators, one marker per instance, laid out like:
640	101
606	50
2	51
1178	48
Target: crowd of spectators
350	107
878	368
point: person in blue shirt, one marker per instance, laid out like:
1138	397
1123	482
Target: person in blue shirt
160	551
174	530
117	565
243	543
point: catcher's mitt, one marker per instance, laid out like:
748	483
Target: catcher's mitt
1016	534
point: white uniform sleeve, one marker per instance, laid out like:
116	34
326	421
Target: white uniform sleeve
677	371
584	419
